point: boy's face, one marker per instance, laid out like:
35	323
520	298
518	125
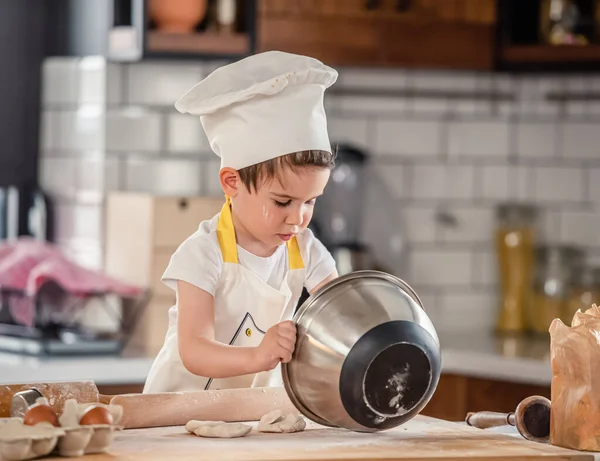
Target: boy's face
278	210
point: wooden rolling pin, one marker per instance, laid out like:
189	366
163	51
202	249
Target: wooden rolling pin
177	408
162	409
56	393
531	418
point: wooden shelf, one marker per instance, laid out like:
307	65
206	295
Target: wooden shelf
551	54
376	42
198	43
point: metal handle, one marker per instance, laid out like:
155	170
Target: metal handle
21	402
487	419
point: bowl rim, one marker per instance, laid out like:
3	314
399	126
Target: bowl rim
311	300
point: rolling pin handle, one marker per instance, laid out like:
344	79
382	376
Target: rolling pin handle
487	419
22	401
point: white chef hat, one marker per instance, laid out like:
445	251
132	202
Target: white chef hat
261	107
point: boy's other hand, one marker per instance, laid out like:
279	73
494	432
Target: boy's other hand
277	345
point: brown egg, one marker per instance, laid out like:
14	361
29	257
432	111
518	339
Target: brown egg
39	414
96	415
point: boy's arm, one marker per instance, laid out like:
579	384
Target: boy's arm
327	279
202	355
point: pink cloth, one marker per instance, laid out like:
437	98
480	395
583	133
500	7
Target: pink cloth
27	264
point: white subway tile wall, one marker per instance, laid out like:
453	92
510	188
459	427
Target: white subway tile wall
134	129
485	268
74	129
368	104
478	138
581	140
559	184
446	154
592	180
581	227
439	268
537	139
473	226
74	81
420	224
211	180
442	182
160	84
164	176
521	183
350	130
494	182
185	135
473	307
58	176
413	138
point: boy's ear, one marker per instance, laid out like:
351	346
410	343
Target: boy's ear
230	181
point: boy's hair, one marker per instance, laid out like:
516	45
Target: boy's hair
254	175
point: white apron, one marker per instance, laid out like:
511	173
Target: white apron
245	308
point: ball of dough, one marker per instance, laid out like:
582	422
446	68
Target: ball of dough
217	429
276	422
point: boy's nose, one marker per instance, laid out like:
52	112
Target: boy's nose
295	218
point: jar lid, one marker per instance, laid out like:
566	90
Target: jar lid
516	213
551	255
586	275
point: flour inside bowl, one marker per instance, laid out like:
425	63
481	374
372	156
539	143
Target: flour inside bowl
398	382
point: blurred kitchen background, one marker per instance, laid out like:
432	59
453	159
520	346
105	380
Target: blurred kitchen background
467	131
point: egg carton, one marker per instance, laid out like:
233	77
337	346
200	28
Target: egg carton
19	442
92	438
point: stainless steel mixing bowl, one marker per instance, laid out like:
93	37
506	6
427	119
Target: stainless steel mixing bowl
367	356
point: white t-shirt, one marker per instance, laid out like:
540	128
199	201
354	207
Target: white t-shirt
198	260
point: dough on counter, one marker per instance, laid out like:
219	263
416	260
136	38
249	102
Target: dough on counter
276	422
217	429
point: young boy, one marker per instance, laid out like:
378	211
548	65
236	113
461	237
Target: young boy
238	278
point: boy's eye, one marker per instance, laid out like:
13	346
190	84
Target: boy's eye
282	204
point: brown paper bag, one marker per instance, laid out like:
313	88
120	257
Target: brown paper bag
575	394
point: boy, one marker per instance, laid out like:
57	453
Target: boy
238	278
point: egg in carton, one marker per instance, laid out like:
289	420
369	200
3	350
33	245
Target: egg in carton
20	441
89	427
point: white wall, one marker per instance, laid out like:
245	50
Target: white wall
113	126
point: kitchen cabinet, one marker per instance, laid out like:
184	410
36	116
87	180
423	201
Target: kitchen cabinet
455	34
457	395
142	232
125	30
118	389
208	39
525	41
449	34
488	35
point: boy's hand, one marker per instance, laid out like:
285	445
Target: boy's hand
277	345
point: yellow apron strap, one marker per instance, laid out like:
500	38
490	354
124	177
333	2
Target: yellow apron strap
294	256
226	234
227	242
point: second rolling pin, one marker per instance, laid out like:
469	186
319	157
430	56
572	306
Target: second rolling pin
531	418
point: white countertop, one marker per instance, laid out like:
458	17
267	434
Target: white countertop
483	355
474	354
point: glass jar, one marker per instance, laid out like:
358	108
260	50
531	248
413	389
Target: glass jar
551	285
584	291
562	23
514	241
